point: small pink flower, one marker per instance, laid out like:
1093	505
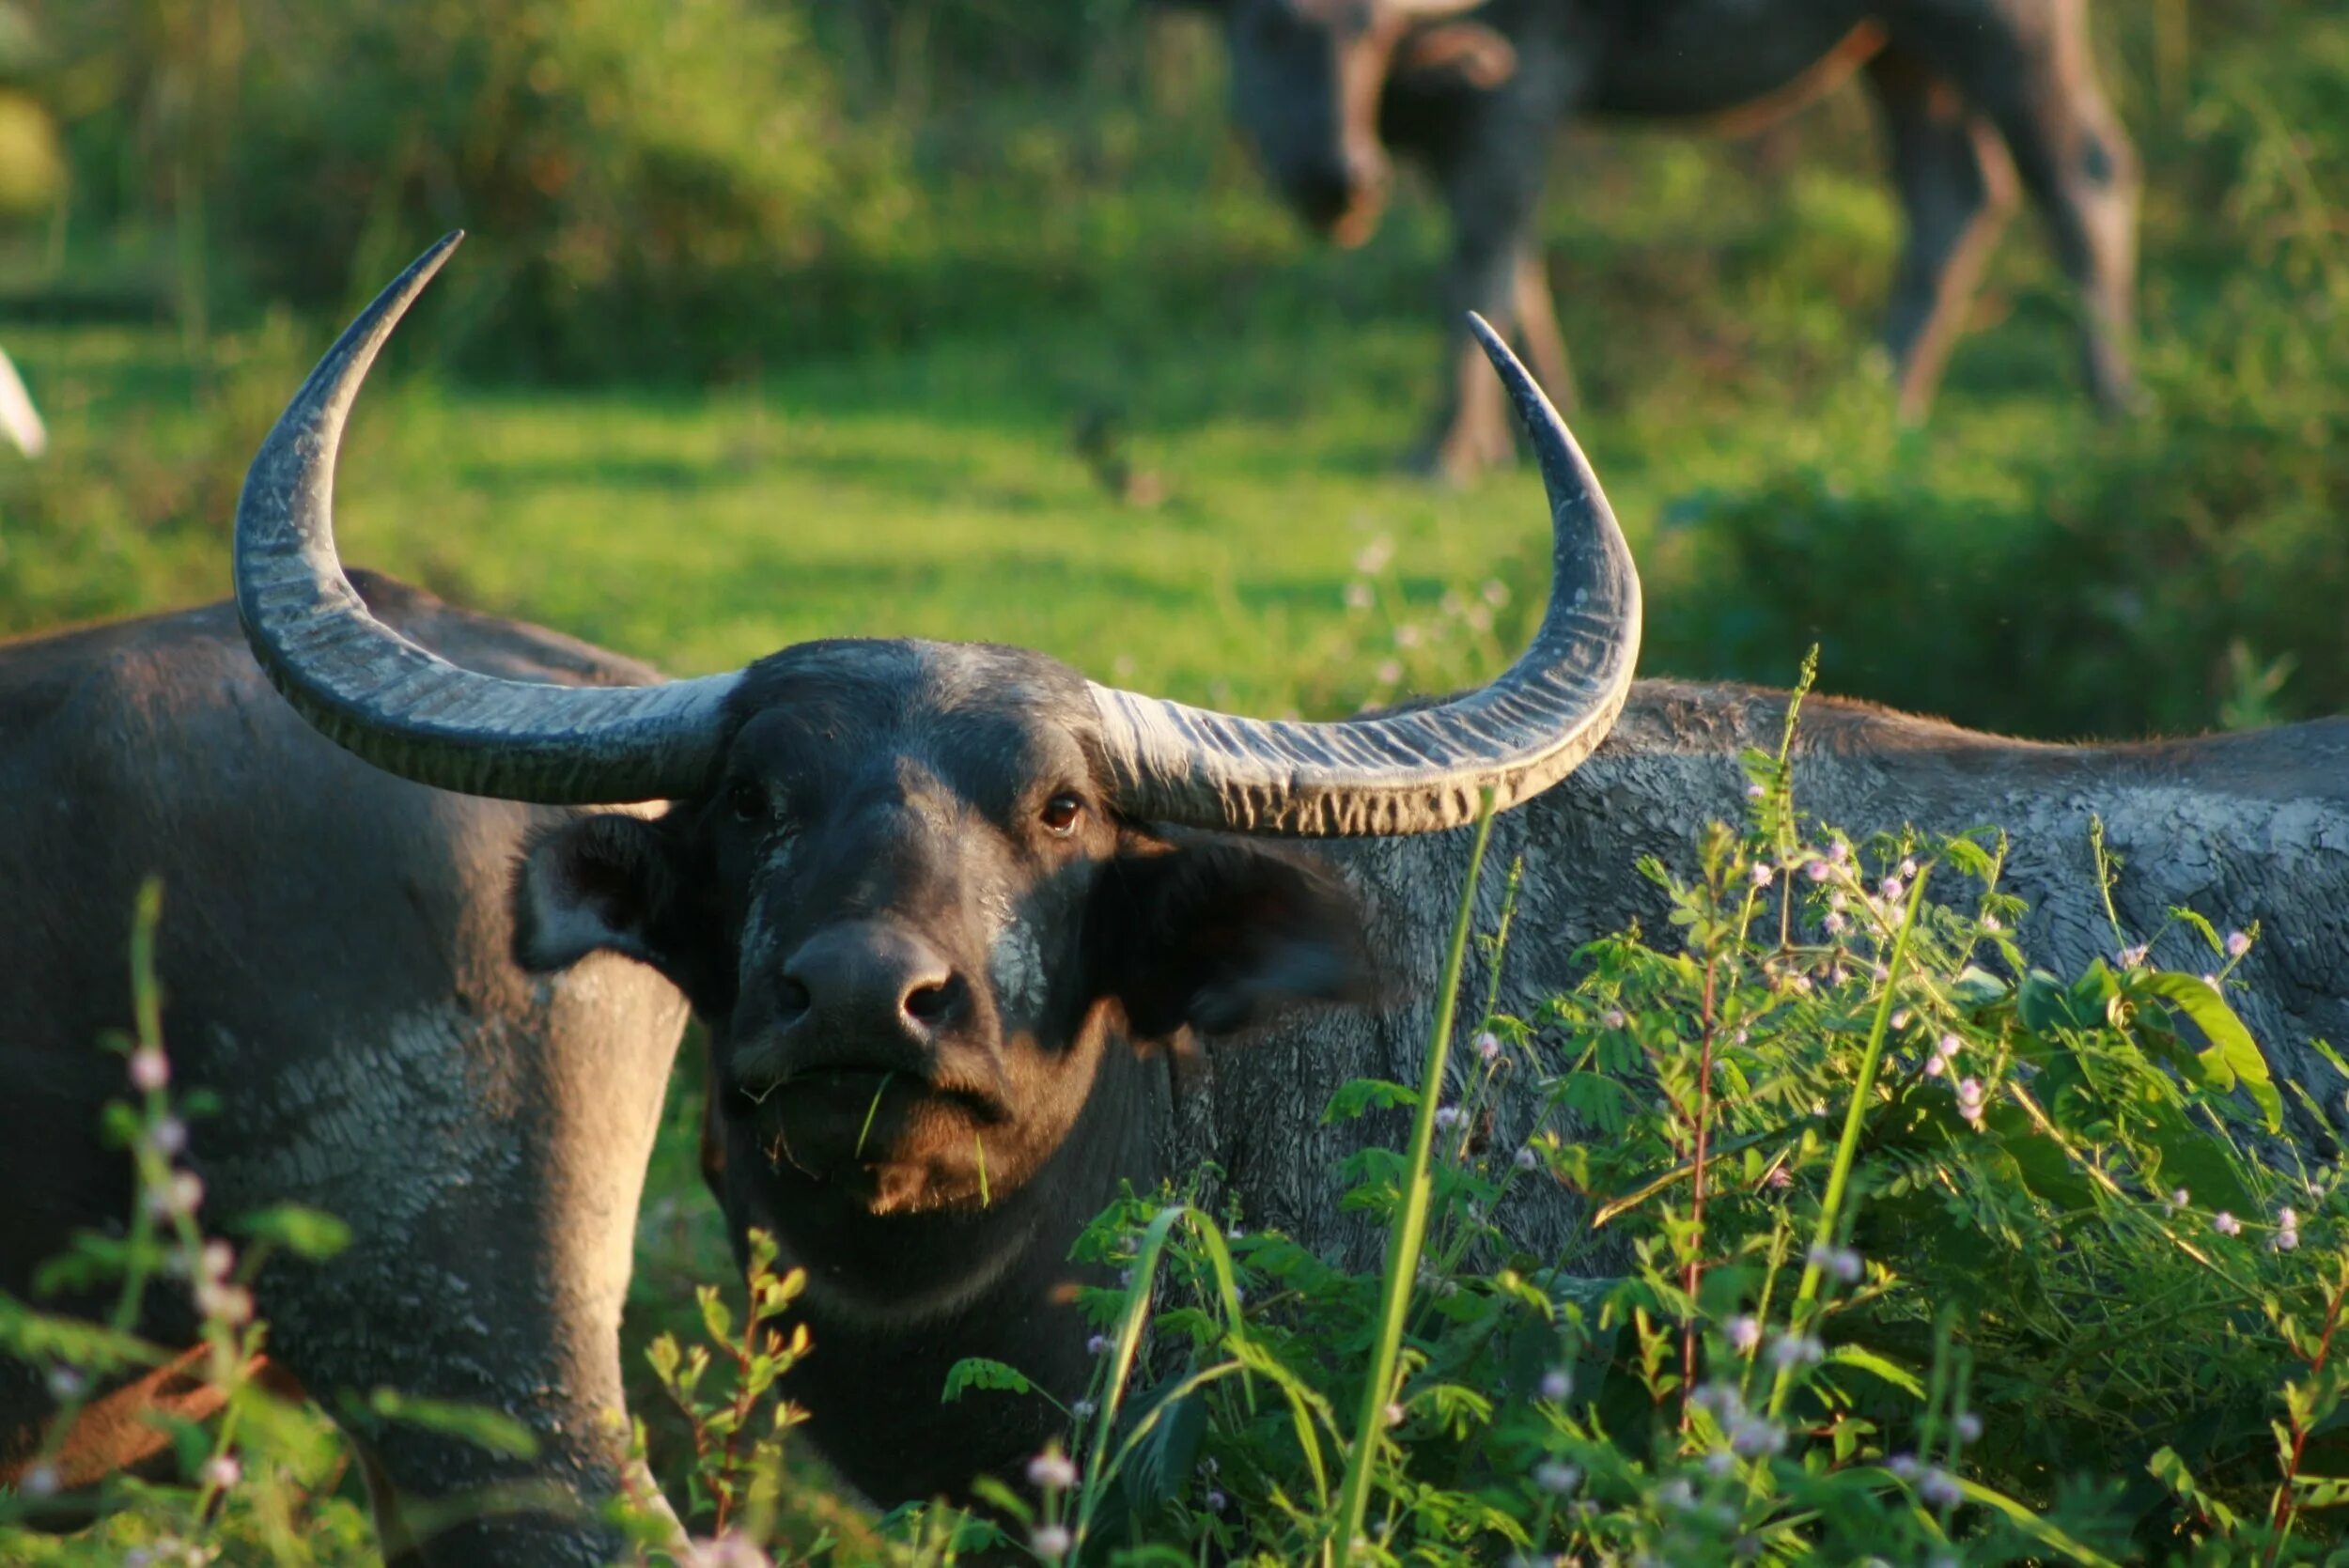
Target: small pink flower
222	1471
2226	1224
1755	792
1489	1045
1907	869
2287	1239
1890	888
1745	1332
170	1136
1526	1159
1051	1472
1052	1541
1763	872
149	1071
1392	1414
2238	943
1217	1502
1780	1178
1556	1383
1816	870
2133	957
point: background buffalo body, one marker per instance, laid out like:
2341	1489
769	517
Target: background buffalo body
1973	94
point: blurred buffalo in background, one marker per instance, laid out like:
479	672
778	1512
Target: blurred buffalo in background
1974	93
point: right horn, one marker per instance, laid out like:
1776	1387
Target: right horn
401	708
1425	770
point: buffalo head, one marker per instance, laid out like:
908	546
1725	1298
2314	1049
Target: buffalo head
926	895
1308	77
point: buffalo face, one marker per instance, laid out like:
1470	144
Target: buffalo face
1307	79
918	927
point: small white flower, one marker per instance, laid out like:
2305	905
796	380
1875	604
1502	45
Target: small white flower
1719	1463
1556	1383
1968	1427
67	1382
1904	1466
731	1550
2238	943
1755	792
1789	1351
222	1471
1833	923
1392	1414
1763	872
2226	1224
1052	1541
1613	1018
1526	1159
2133	957
170	1136
1907	869
2212	980
1890	890
1388	672
2179	1199
1990	922
1756	1437
1970	1101
224	1303
1374	557
1489	1045
1084	1410
1051	1472
1937	1488
178	1195
1675	1494
1555	1478
2288	1219
1096	1345
1745	1332
39	1481
2287	1239
1358	595
149	1071
1816	870
218	1260
1217	1502
1450	1116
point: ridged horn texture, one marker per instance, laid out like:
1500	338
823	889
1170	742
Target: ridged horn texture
1424	771
403	708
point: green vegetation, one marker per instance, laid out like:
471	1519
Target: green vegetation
962	320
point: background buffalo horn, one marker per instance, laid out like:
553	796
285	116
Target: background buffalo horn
400	708
1422	771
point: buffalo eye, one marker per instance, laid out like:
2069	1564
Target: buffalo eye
1061	812
746	801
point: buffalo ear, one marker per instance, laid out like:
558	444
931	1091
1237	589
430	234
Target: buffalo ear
1218	934
1456	53
594	884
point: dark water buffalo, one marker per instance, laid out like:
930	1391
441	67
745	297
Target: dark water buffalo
936	901
1973	93
334	954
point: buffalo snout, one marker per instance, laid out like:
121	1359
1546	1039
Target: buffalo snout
864	996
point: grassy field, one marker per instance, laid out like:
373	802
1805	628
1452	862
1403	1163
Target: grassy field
2014	564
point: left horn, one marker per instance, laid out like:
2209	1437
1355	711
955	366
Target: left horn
407	711
1426	770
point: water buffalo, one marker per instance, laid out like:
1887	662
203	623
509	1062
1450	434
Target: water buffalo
938	903
333	956
1973	93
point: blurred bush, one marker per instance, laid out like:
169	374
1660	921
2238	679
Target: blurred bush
640	175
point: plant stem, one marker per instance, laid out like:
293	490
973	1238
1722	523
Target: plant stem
1847	1146
1410	1222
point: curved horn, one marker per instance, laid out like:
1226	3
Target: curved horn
1424	771
403	708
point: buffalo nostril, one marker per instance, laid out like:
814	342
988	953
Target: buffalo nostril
792	999
931	1003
